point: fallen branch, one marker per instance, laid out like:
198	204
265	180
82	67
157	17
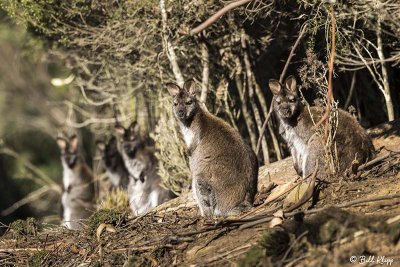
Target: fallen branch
313	211
308	194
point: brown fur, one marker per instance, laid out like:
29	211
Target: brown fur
224	168
144	188
78	188
296	126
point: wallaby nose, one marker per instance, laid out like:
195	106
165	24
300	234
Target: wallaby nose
126	147
181	113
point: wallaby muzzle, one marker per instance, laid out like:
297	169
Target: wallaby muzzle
181	114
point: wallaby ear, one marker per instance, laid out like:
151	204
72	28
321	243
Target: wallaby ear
101	146
119	130
173	89
190	87
290	84
73	143
62	143
274	86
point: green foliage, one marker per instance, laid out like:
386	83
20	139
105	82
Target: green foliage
254	258
275	242
45	17
272	244
23	228
36	260
106	216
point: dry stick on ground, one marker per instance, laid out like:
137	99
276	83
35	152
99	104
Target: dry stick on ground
218	15
313	211
330	77
275	197
230	254
309	192
271	108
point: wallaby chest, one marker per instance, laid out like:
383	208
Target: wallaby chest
297	144
135	166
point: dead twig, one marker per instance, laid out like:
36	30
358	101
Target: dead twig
218	15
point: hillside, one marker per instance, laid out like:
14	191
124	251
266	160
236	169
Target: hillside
356	216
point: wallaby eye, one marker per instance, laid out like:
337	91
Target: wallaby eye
175	103
292	100
189	102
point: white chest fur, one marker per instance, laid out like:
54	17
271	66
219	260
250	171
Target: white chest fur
188	135
135	167
298	147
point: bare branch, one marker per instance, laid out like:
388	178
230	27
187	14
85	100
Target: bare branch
168	46
218	15
205	57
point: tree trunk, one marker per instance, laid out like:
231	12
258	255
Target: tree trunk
206	72
250	85
385	81
246	114
271	131
168	46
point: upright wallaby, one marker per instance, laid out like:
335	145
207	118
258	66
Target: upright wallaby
113	163
306	146
144	189
78	194
224	168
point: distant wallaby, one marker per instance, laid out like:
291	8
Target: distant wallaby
224	168
78	194
306	146
113	163
144	189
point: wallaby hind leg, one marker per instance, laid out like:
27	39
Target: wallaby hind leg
311	163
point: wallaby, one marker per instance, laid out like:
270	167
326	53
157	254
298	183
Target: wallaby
78	194
113	163
224	168
306	146
144	189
